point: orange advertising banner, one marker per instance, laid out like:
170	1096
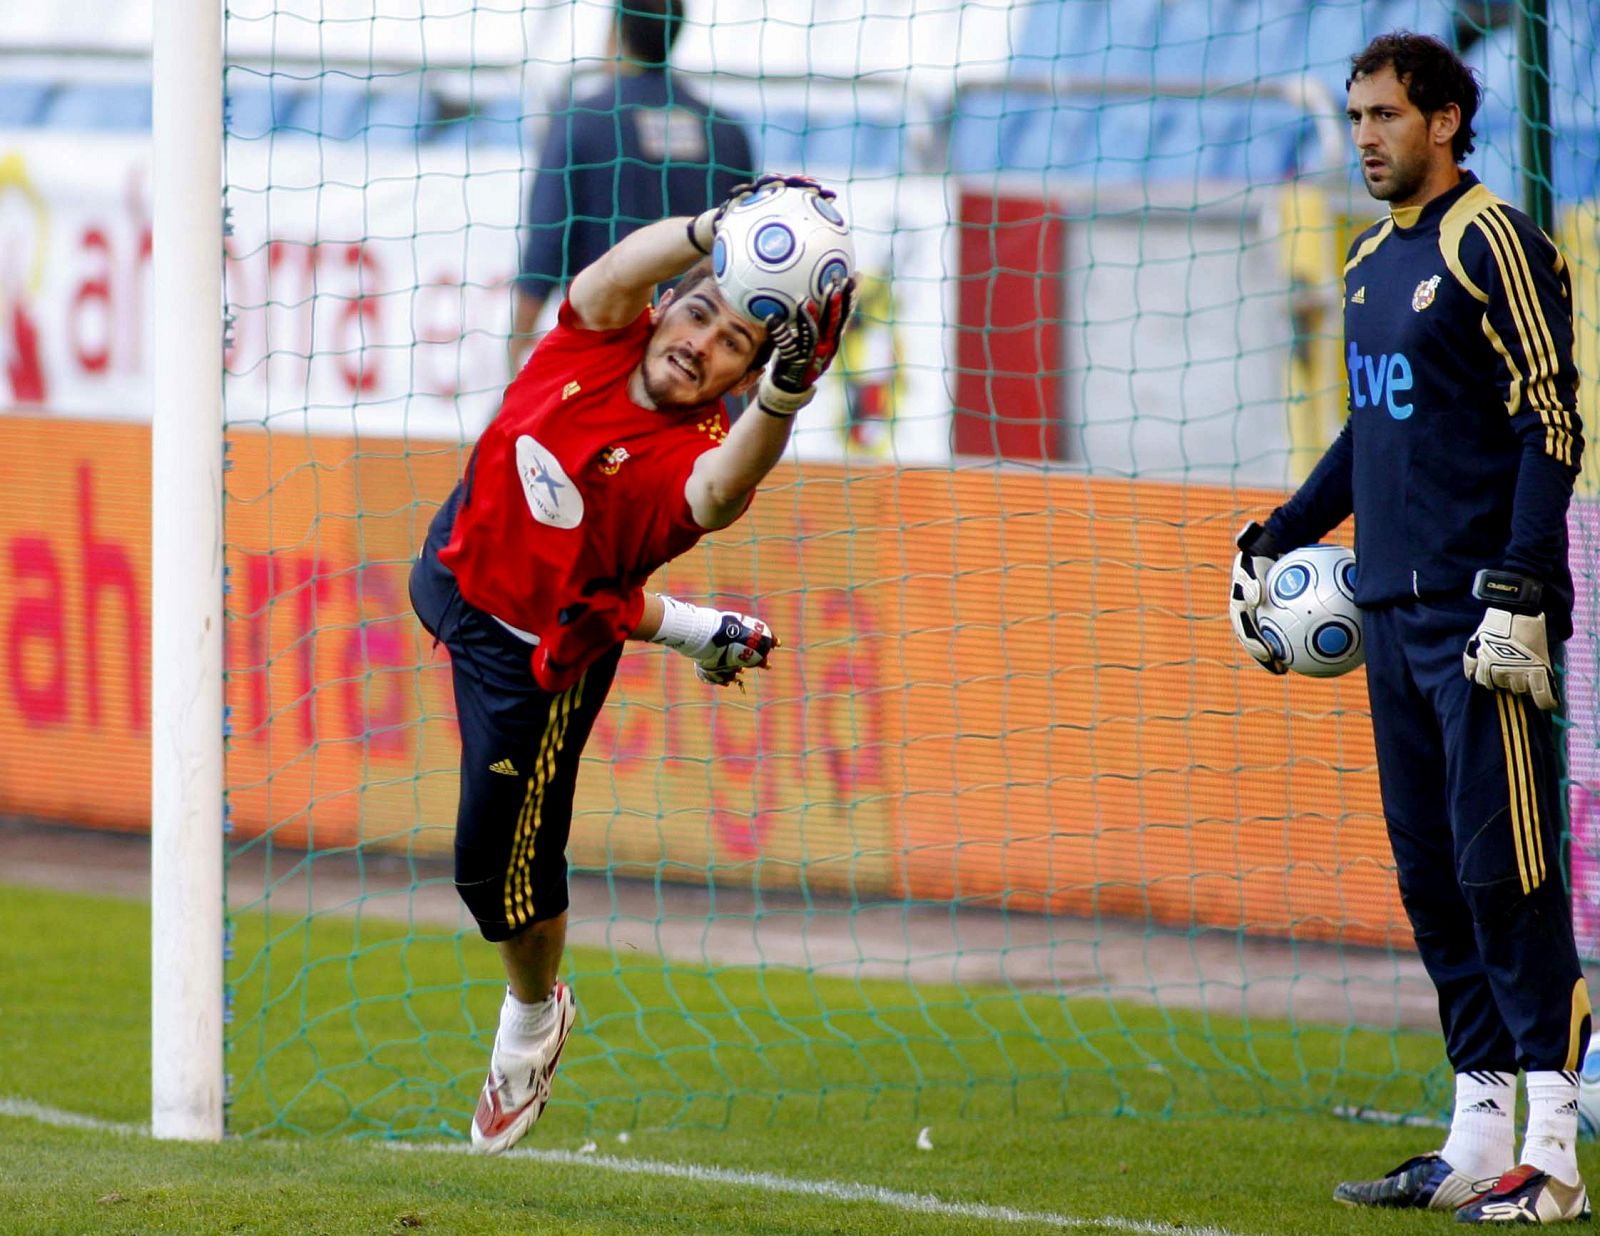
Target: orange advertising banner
1011	688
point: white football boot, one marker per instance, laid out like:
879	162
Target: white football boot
518	1087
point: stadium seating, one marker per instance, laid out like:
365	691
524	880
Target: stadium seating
88	107
23	104
1050	110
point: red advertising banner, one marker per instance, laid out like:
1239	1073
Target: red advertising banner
1012	689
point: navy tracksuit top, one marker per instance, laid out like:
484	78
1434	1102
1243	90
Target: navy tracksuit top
1463	439
642	147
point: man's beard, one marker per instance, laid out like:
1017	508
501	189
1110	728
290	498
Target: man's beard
1405	179
659	391
659	396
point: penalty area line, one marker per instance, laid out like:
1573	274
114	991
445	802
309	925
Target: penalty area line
761	1182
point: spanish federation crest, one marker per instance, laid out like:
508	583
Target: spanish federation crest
1423	296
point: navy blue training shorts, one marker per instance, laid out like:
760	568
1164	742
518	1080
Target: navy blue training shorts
520	747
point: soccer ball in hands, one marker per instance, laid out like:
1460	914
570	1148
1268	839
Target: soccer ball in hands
1308	615
779	246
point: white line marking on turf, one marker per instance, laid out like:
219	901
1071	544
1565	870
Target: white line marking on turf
1373	1115
67	1120
832	1190
766	1182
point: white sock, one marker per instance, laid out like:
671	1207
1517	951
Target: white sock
1552	1141
523	1027
1483	1136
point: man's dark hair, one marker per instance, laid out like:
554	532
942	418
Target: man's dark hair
693	278
1432	74
647	29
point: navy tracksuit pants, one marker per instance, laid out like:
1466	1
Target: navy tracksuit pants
1471	784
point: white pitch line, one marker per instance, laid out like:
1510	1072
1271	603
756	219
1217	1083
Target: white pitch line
832	1190
764	1182
67	1120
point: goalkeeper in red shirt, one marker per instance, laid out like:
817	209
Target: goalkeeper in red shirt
611	455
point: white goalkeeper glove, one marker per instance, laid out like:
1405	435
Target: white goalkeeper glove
1510	650
1257	553
722	644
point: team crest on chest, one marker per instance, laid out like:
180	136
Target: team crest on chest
712	428
612	459
1423	296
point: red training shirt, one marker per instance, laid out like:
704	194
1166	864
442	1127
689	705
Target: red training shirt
574	496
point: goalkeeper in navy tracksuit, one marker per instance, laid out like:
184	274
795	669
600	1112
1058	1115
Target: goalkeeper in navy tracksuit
1458	460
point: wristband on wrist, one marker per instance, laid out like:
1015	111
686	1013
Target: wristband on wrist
777	402
686	628
689	229
1508	590
1255	539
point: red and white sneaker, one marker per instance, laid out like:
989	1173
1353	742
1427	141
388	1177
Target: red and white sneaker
1527	1195
518	1087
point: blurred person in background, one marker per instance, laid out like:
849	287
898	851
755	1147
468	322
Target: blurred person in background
642	147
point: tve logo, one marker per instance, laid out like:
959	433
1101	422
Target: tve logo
1377	380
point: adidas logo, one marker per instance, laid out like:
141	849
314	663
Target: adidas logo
1360	298
1486	1105
505	768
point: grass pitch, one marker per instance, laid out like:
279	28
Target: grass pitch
759	1101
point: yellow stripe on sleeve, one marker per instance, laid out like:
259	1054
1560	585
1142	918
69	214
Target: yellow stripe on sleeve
1537	344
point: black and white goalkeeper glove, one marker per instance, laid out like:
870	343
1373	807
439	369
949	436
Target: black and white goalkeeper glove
803	346
722	644
1247	588
1510	650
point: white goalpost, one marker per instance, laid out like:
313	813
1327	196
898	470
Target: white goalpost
186	575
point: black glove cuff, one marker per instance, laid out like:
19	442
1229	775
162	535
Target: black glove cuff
1254	539
1521	594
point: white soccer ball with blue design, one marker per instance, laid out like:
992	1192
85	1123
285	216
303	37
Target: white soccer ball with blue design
1308	615
778	247
1589	1091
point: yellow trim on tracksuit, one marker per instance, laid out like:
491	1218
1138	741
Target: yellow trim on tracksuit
519	873
1522	790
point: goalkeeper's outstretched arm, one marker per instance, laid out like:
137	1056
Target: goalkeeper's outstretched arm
615	289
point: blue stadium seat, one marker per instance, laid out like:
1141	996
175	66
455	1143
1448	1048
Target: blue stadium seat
494	121
1574	65
258	105
1230	41
111	106
24	104
793	140
1088	38
1016	130
334	109
401	114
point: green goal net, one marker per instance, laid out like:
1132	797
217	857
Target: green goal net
1008	828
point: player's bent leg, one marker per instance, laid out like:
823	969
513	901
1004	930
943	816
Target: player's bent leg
521	1074
1426	1182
